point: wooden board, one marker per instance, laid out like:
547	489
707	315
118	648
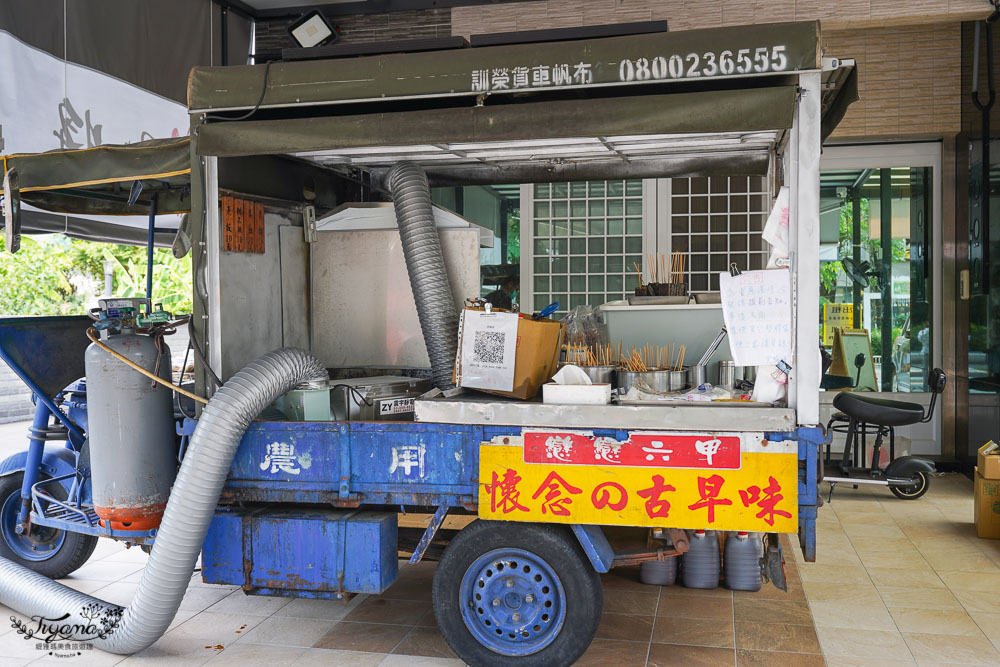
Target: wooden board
847	344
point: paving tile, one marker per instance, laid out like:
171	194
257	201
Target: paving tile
324	657
772	592
373	637
419	661
918	578
971	580
630	602
937	621
612	652
678	589
85	658
918	598
106	570
694	631
626	627
777	637
413	589
326	609
118	592
859	593
835	574
844	661
772	611
425	642
839	614
689	606
239	602
951	649
288	631
674	655
201	598
223	629
902	560
989	624
979	601
746	658
87	586
394	612
256	655
872	645
179	649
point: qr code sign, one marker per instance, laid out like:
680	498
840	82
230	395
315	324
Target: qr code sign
488	348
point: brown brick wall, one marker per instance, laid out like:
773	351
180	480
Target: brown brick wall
272	36
908	54
690	14
909	79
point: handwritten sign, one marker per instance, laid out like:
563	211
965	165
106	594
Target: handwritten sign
761	495
836	316
757	308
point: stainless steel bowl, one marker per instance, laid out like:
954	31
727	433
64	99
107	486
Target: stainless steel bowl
600	374
657	381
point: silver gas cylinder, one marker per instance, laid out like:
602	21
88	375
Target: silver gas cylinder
133	450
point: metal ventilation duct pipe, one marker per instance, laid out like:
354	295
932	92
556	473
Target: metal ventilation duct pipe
185	522
411	195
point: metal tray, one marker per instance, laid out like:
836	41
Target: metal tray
634	300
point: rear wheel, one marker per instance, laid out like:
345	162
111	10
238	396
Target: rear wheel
510	593
54	553
921	482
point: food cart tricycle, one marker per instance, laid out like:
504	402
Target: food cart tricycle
290	504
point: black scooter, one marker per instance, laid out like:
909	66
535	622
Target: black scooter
908	477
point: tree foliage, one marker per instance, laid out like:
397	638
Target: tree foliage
56	275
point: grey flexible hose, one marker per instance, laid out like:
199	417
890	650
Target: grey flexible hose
185	522
411	195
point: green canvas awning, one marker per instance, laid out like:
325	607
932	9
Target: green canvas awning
715	111
96	181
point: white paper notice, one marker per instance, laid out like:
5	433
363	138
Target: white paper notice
776	228
489	344
758	311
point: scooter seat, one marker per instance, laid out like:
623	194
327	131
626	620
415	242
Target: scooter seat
879	411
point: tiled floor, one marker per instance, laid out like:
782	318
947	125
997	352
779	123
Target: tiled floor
896	582
904	582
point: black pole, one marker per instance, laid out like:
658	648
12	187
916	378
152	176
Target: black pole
224	27
885	200
150	238
856	254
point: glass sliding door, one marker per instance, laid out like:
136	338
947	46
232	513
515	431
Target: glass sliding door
876	262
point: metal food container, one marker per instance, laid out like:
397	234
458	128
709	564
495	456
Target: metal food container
677	380
656	381
600	374
379	398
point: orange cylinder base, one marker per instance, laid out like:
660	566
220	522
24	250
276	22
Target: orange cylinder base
131	518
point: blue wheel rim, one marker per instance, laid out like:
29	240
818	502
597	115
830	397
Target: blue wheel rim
47	541
512	602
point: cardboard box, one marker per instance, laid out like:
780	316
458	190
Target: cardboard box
989	460
536	357
987	507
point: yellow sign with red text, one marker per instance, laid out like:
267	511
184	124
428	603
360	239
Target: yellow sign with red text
755	490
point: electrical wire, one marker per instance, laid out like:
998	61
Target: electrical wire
263	92
193	338
92	335
177	397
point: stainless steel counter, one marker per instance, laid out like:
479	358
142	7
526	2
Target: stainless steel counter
688	416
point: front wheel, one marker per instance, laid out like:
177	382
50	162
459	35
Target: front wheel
509	593
54	553
921	482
